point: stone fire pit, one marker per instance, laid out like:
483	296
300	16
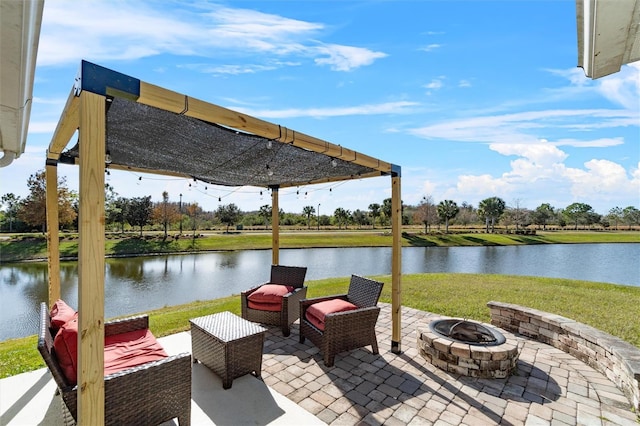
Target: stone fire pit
468	348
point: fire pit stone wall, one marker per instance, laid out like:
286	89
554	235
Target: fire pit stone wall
467	359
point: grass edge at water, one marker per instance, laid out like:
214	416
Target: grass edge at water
607	307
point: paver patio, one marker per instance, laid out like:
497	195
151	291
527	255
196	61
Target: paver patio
549	388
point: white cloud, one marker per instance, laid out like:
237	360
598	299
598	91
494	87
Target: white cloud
464	83
623	88
528	127
231	69
346	58
600	178
435	84
400	107
120	30
540	172
542	153
474	185
595	143
431	47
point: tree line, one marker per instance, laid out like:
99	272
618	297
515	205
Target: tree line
137	213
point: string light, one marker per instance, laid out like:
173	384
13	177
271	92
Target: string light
334	163
269	144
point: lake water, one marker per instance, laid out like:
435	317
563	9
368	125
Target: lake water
139	284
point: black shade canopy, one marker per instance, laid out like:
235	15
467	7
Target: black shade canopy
165	138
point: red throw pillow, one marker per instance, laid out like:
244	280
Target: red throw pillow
317	312
65	345
61	313
270	293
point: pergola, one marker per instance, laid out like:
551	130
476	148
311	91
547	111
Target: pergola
124	123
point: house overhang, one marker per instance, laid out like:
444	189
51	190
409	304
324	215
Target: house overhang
20	23
608	35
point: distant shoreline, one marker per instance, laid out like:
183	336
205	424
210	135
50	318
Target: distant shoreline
33	247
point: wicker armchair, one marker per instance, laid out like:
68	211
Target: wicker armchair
290	310
344	331
149	394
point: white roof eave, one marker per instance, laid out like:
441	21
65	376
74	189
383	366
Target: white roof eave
20	23
608	35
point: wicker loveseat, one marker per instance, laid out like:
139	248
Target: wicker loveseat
289	310
346	330
148	394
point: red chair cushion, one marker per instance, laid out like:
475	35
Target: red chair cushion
126	350
270	293
273	307
61	313
317	312
121	351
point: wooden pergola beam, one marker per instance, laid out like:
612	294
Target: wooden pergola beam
67	126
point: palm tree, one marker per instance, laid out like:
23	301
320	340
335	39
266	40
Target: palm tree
447	209
341	216
491	209
308	211
374	211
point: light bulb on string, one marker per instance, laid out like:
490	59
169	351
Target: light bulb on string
334	163
269	171
269	144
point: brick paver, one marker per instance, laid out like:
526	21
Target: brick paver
549	387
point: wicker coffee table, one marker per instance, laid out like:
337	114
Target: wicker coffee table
228	345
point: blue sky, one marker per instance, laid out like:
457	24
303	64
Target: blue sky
473	99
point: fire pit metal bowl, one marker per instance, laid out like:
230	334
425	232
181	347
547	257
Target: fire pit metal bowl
468	348
469	332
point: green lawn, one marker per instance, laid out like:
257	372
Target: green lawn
611	308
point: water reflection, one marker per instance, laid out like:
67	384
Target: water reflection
139	284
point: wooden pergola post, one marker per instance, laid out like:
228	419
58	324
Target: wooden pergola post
396	263
91	262
66	127
275	226
53	239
